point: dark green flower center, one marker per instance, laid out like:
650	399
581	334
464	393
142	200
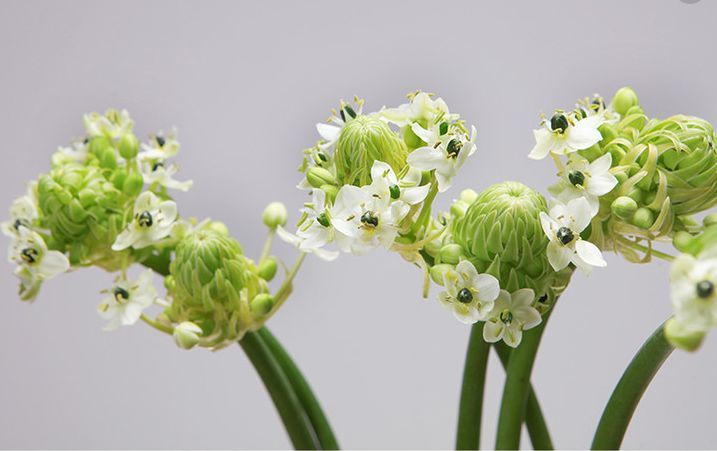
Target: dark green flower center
369	219
597	104
577	178
20	223
157	165
29	255
581	113
323	219
145	219
565	235
705	289
395	191
160	141
465	296
120	294
454	148
350	111
443	128
559	123
506	316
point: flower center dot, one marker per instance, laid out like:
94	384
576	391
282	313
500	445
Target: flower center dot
29	255
369	219
454	148
506	316
20	222
160	141
121	295
465	296
395	191
705	289
145	219
565	235
323	219
559	123
576	178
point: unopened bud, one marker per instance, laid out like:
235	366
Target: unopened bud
643	218
438	271
319	176
133	184
261	304
468	196
624	207
681	338
268	268
451	254
682	241
274	215
624	99
128	146
186	334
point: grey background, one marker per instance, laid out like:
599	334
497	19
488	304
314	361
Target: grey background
245	83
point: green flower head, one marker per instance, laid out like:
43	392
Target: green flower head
364	140
212	285
501	234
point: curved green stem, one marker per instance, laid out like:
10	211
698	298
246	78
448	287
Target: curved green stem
517	384
287	403
303	391
471	403
534	420
629	390
267	245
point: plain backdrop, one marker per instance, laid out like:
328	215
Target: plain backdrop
245	83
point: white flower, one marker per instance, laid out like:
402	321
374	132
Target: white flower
693	293
446	157
315	230
112	124
563	228
386	186
330	132
469	295
581	178
511	315
23	213
160	147
35	262
152	220
76	153
127	301
421	108
564	133
364	222
156	172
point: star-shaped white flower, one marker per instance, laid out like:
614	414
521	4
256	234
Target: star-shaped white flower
315	230
331	131
581	178
160	147
127	301
112	124
565	133
157	172
152	220
446	157
563	228
693	291
469	295
421	108
23	213
35	263
511	315
364	222
386	186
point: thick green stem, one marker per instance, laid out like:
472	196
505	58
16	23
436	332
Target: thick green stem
517	384
287	403
303	391
534	420
471	403
629	390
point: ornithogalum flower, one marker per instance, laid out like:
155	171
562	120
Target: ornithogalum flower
469	295
512	314
127	301
152	220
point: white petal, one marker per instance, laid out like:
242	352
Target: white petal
602	164
445	181
469	316
601	184
493	331
581	213
512	336
328	132
413	196
543	144
582	135
381	170
558	256
124	240
427	136
528	316
589	253
426	158
522	298
52	264
488	287
548	224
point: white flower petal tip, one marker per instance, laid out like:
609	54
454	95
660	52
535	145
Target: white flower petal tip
152	221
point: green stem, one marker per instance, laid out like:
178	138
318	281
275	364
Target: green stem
626	395
534	420
303	390
287	403
517	384
471	403
267	245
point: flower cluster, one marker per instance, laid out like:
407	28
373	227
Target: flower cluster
373	177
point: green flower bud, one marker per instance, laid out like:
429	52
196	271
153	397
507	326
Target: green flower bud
218	227
710	220
681	338
459	208
262	304
438	271
319	176
501	235
624	99
362	141
451	254
186	334
268	268
468	196
433	247
213	285
274	215
624	207
128	146
133	184
682	241
84	212
643	218
99	145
